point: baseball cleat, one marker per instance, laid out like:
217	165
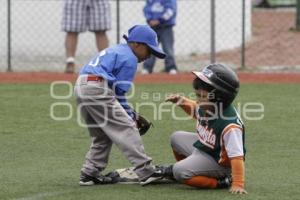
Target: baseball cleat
156	176
150	180
167	171
86	180
224	182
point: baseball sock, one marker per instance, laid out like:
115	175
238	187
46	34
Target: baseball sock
178	156
202	182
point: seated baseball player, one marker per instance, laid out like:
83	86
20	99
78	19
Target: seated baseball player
213	157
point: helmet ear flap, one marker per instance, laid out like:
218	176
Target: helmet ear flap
223	99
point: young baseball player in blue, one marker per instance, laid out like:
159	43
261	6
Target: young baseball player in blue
161	16
100	92
216	152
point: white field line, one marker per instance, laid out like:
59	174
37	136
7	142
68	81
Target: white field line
41	195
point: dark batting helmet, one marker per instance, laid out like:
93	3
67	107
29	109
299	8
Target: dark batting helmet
223	80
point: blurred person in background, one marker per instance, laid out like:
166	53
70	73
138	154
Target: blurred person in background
80	16
161	16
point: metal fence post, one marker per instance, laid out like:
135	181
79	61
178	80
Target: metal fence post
9	36
212	32
298	16
118	21
243	35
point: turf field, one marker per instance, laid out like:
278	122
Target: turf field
40	158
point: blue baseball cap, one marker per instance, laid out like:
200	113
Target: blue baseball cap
145	34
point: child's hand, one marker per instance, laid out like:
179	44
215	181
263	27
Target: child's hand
174	98
237	190
153	23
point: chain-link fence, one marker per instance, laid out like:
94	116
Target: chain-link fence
228	31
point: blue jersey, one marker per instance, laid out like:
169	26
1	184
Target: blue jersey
117	65
162	10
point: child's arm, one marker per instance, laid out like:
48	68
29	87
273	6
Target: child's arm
124	79
238	175
233	141
188	105
123	101
147	12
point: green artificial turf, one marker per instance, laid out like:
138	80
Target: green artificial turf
40	158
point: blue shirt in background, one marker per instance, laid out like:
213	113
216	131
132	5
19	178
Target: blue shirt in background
118	65
163	10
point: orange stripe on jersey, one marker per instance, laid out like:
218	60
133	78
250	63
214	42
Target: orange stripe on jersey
224	159
228	127
189	106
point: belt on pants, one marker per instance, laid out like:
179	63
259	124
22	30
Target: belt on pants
91	77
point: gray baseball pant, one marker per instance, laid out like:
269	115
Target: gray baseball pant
109	123
196	163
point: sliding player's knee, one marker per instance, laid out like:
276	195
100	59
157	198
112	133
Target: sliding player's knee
175	139
181	173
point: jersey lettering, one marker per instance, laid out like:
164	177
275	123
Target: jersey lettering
206	136
96	61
